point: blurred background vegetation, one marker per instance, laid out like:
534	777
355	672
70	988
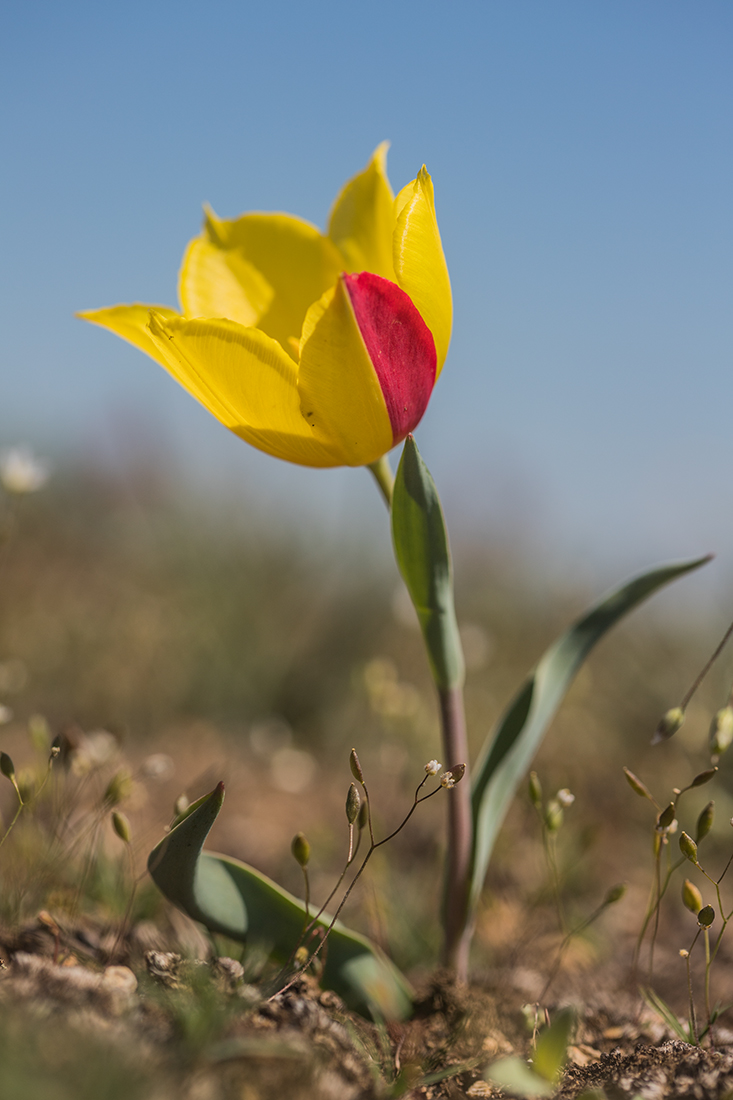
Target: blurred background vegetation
187	644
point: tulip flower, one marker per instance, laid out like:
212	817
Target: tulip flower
318	349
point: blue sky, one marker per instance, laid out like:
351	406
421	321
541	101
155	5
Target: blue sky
583	165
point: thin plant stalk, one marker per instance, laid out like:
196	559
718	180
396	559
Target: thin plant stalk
458	929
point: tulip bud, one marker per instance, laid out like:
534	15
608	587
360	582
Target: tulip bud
691	897
353	804
721	731
666	817
636	785
356	767
704	777
615	894
688	847
121	826
668	725
301	849
535	790
706	916
705	822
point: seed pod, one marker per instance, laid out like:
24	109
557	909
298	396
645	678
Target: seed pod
301	849
121	826
688	847
353	803
721	731
666	817
7	767
705	822
554	816
668	724
458	772
363	815
535	790
706	916
636	785
356	767
615	894
118	788
704	777
691	897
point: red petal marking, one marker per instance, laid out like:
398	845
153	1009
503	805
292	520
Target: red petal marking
400	346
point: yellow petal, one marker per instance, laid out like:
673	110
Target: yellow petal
131	323
419	261
246	380
220	282
362	219
340	394
281	264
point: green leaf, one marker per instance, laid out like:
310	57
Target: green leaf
551	1051
662	1009
235	900
423	558
516	1076
509	750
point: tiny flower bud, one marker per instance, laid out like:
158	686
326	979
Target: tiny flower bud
565	797
721	731
703	777
356	767
447	780
706	916
118	788
7	767
684	953
353	803
691	897
666	817
554	816
688	847
301	849
55	748
636	785
615	894
181	805
535	790
433	767
121	826
668	725
705	822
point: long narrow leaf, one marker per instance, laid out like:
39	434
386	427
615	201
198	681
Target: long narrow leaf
423	558
235	900
509	750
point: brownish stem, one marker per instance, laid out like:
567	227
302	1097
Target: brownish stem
456	925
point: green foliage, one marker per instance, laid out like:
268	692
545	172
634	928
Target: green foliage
423	557
234	900
509	750
548	1061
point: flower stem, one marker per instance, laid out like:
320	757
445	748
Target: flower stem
382	473
456	924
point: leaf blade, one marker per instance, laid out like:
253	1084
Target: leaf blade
508	753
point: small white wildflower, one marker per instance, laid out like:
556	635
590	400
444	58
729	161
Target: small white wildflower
565	797
447	780
21	471
433	767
